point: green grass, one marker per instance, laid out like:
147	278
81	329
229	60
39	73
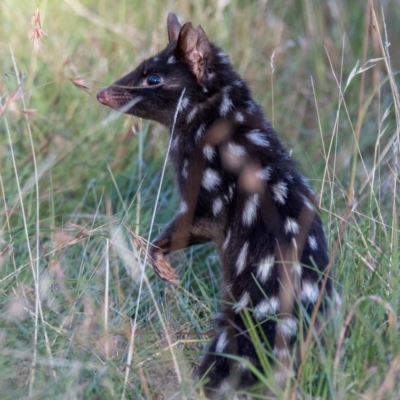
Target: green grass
79	184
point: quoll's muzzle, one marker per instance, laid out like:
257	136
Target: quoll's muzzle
104	97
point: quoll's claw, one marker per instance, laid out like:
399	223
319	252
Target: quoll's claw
163	268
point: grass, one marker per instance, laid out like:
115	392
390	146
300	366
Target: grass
78	187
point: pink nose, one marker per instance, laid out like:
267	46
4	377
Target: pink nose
103	97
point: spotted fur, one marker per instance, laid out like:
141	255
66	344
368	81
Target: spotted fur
240	188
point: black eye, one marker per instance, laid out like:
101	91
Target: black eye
153	79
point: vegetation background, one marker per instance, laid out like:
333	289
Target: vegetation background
80	186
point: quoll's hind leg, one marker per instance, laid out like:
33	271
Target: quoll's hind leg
222	373
215	368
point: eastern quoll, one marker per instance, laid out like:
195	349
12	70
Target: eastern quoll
240	189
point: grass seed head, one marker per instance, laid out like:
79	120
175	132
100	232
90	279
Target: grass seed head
37	32
80	83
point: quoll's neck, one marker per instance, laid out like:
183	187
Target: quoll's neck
231	102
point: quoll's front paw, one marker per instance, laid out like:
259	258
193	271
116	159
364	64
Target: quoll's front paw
163	268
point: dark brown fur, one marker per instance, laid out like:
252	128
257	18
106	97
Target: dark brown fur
241	189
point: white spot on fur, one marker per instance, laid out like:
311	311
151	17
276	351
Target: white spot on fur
222	342
210	76
305	182
297	269
280	377
239	117
231	192
312	242
185	103
228	288
171	60
223	57
208	152
280	191
287	326
227	239
211	179
252	107
183	208
264	174
155	59
175	142
217	206
242	303
291	226
309	292
281	353
199	132
266	307
243	367
226	103
185	172
307	203
235	150
257	137
250	210
225	388
264	268
192	114
242	258
220	316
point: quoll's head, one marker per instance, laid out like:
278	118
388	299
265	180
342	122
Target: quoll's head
153	89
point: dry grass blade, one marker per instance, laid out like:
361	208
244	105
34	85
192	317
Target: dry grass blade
29	111
80	83
15	95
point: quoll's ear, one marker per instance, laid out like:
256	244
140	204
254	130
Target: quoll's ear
193	46
174	27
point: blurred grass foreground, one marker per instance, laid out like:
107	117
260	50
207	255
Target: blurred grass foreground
81	316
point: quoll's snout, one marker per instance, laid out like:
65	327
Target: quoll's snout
103	97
